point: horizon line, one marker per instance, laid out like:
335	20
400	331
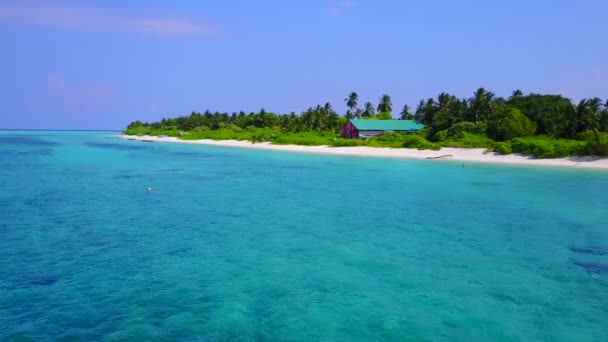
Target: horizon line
62	129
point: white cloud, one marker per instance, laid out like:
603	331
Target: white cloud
87	18
339	8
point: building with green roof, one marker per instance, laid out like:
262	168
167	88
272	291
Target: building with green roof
358	129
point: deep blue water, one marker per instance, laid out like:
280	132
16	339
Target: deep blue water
236	244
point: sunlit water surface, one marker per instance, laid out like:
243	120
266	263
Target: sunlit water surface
237	244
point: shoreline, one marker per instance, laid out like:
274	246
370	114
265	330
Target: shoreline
476	155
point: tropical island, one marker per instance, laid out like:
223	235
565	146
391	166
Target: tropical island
540	126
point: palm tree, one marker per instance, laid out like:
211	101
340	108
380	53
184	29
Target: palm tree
517	93
385	104
330	117
420	112
445	101
604	119
481	105
406	114
358	113
426	110
587	116
351	101
369	110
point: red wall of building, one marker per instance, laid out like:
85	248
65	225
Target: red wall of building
349	131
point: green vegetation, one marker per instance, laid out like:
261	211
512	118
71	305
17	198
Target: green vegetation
468	140
597	143
220	134
544	126
509	123
503	148
305	138
417	141
545	147
381	116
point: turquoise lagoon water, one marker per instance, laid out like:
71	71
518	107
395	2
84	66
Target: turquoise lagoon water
237	244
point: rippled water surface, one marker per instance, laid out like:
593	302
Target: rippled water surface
236	244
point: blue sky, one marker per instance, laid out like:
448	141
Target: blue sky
103	64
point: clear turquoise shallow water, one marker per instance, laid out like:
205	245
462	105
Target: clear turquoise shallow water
236	244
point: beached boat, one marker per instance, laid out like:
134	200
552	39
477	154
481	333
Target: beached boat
441	157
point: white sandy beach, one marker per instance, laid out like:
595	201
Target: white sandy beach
476	155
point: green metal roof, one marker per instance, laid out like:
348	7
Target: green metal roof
387	125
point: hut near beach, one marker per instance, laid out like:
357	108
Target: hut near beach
360	129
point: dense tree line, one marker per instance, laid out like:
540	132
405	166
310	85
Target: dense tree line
500	118
319	118
521	115
543	125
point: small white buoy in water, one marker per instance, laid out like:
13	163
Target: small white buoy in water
149	189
